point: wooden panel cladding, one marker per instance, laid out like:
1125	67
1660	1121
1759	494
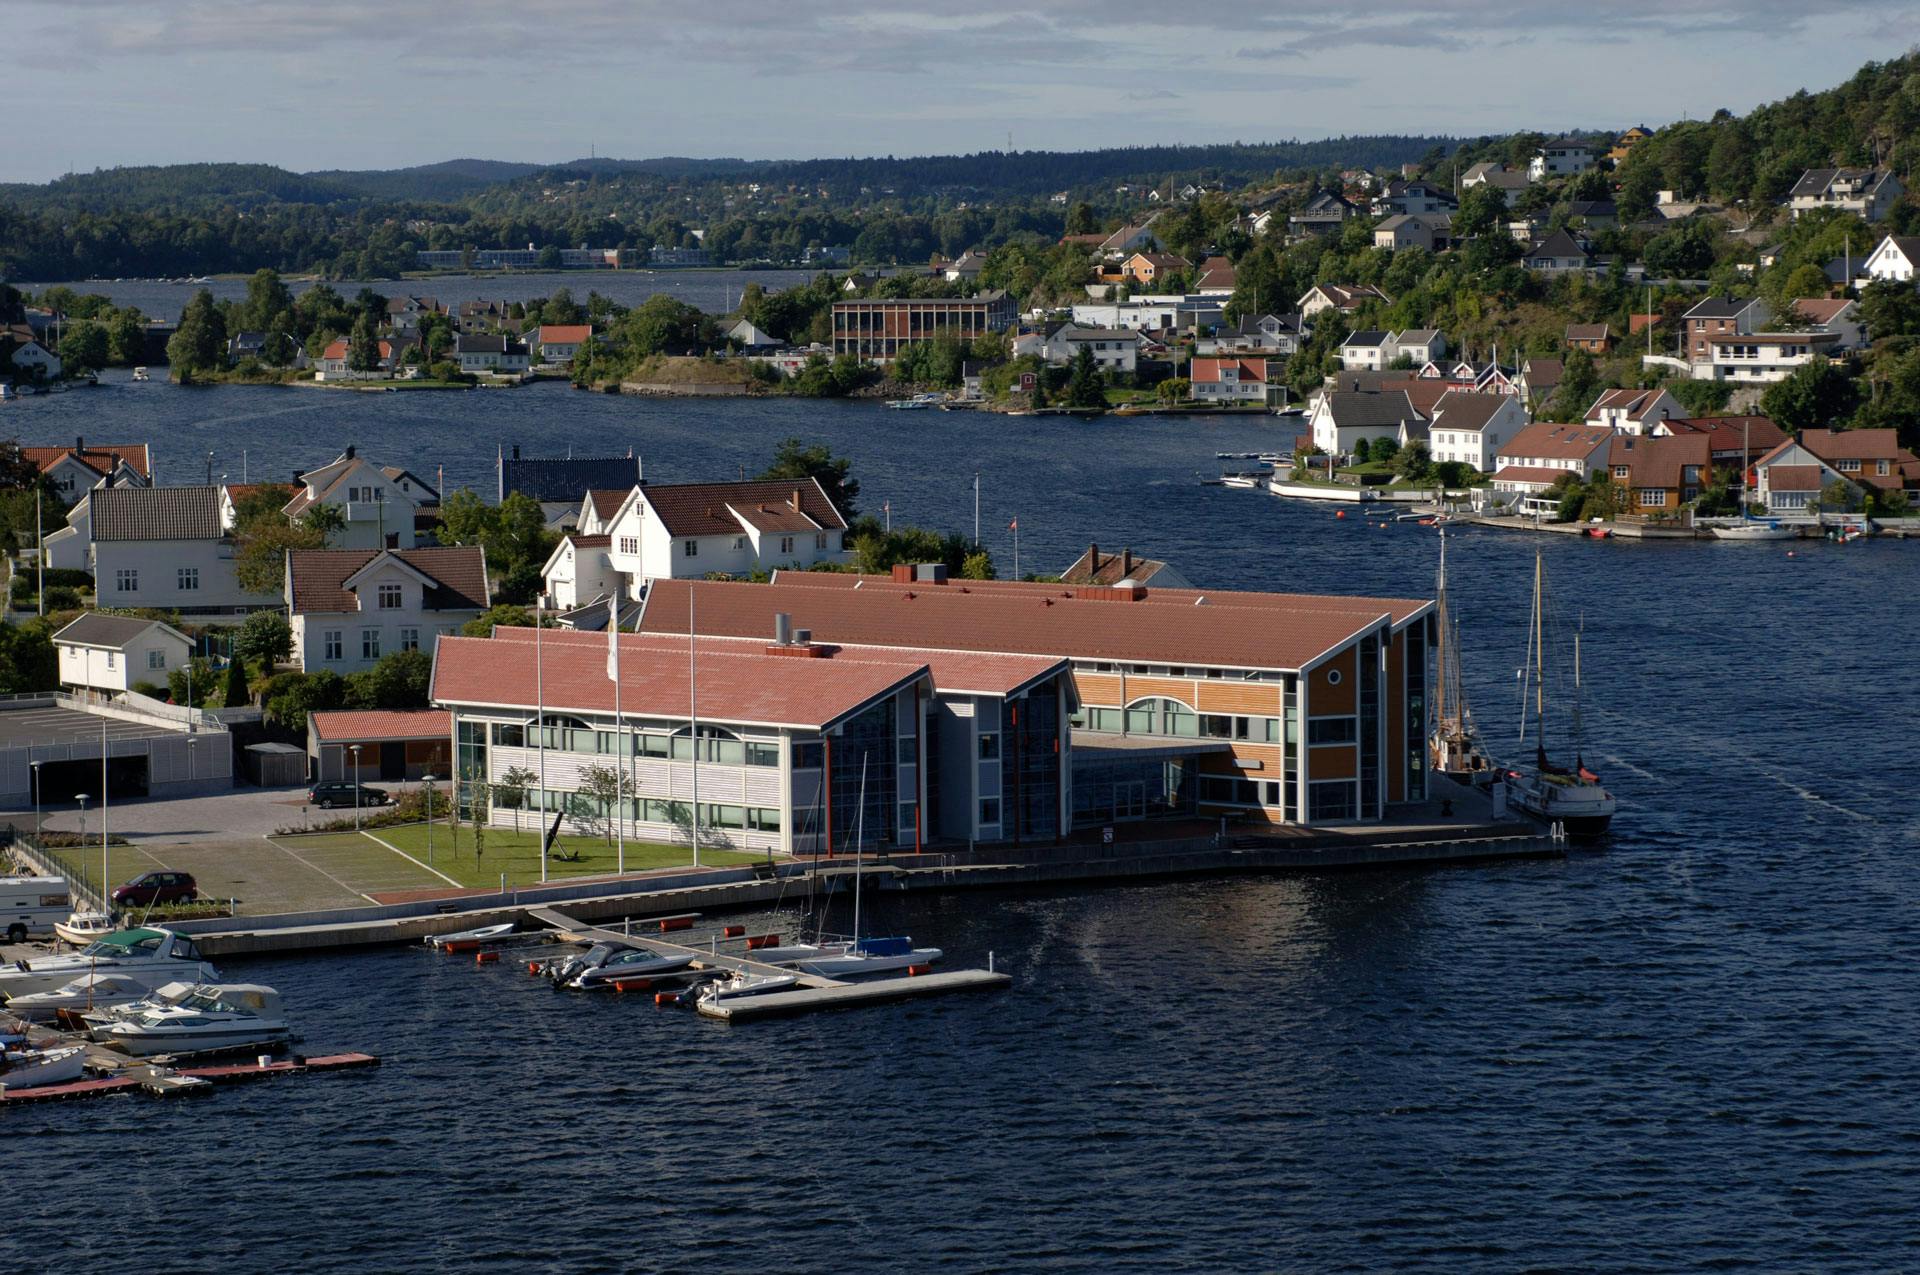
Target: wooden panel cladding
1333	761
1098	688
1144	687
1250	699
1333	688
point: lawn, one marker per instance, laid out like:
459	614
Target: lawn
124	863
518	854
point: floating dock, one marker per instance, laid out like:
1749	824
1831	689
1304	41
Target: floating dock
169	1081
815	992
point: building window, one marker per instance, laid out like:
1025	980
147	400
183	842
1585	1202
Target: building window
990	811
1333	677
109	659
629	544
820	541
126	580
1329	801
739	544
331	645
409	639
692	549
369	644
786	544
156	659
389	597
1332	730
188	579
989	746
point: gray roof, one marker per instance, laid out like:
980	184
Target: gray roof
1593	208
1816	180
1366	336
1463	409
1418	336
110	631
566	478
156	513
1363	409
1718	308
1557	244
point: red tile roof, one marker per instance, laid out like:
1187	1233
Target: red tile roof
354	725
735	685
565	333
101	457
607	500
1544	440
1793	477
1533	474
1820	309
1164	626
1854	444
1661	462
1209	370
1731	433
320	577
701	509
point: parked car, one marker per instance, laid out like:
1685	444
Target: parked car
327	796
157	887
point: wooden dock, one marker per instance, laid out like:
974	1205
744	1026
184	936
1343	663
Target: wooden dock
815	992
171	1081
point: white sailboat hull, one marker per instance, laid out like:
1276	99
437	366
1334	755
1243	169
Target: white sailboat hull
37	1068
1755	531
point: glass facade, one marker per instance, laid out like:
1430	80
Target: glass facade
1416	665
1030	773
867	738
469	760
1370	726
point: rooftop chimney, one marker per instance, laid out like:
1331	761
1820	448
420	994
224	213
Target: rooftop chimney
516	451
1093	558
1126	561
782	629
79	443
349	451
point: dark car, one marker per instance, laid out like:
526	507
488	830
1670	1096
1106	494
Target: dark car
327	796
157	887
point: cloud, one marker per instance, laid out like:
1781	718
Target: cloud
1151	95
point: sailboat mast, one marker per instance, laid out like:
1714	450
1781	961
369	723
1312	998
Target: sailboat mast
859	837
1540	642
1446	639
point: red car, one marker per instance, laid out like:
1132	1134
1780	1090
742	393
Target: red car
157	887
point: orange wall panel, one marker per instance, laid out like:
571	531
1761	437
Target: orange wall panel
1333	761
1324	699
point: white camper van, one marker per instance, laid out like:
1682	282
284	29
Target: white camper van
31	905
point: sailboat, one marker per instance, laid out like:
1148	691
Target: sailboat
852	957
1454	748
1572	800
1749	527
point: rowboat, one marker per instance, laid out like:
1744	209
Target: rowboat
37	1068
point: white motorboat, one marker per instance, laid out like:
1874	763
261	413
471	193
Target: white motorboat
162	997
82	928
738	986
625	965
37	1068
140	374
919	402
466	939
163	951
104	990
213	1016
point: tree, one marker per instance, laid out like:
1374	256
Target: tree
1889	308
267	299
793	458
1086	388
1817	394
977	565
1413	463
260	565
363	347
550	258
1685	252
235	694
84	348
127	337
200	342
289	697
479	806
265	638
1840	496
606	787
27	658
1578	384
399	679
1807	281
1175	389
191	684
1482	209
502	614
1080	219
514	786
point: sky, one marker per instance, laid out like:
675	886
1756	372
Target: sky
374	84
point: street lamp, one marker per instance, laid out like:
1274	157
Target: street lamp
36	802
355	750
427	779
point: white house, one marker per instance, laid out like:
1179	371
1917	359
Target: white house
34	361
1869	193
1113	349
696	529
349	607
79	468
336	363
1341	419
1541	454
580	570
165	547
1562	157
1228	381
1472	428
1431	231
558	343
378	503
1276	333
1557	253
1633	411
1508	181
1896	259
489	353
1762	358
1421	345
1334	296
1366	350
113	652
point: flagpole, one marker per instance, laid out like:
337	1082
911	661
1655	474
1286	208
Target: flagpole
693	725
540	720
619	729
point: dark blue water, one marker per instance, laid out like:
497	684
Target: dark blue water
1692	1051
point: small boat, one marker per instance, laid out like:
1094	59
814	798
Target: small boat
1755	531
869	956
92	1020
628	965
82	928
919	402
140	374
739	986
1599	533
162	951
467	940
38	1068
90	991
1571	800
1454	748
6	391
1846	534
213	1016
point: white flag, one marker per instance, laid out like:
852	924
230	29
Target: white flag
613	637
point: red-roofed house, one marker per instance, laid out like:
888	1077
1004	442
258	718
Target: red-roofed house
333	363
349	607
558	343
80	468
1543	453
1232	382
1790	478
696	529
1662	474
1633	411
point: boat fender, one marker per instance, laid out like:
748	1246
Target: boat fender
533	967
485	958
676	923
914	971
759	941
633	985
733	931
666	998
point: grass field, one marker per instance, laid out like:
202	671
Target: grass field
124	863
518	854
